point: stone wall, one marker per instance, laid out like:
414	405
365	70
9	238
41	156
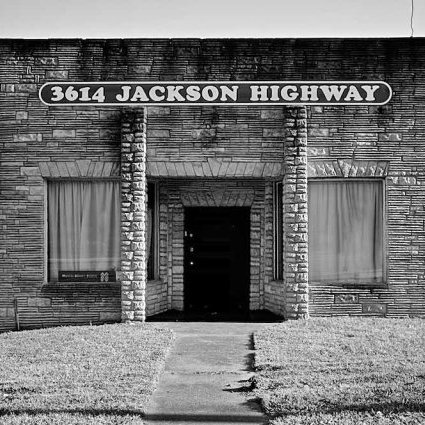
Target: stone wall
295	215
274	297
386	143
133	274
156	297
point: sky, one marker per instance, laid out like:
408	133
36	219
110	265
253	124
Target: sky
210	18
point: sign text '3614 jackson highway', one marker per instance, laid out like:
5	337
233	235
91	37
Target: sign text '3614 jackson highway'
217	93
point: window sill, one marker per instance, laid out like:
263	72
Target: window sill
351	285
68	284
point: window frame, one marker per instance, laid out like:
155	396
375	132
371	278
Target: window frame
46	277
359	285
155	235
278	261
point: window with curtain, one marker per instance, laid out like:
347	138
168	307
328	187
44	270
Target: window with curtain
83	226
346	231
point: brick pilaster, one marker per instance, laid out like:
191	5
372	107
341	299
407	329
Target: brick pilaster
295	218
133	215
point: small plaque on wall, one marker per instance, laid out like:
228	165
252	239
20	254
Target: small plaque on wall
87	276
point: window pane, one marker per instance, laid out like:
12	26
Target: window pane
84	226
346	231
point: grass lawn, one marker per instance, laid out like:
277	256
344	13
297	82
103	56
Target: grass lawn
80	375
345	371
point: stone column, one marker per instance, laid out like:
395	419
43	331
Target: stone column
133	215
295	218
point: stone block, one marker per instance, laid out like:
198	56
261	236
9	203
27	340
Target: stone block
139	285
39	302
21	115
109	316
139	306
302	298
301	218
128	216
46	60
4	312
128	275
390	137
126	255
127	295
30	171
139	265
138	147
272	114
36	190
63	134
311	170
28	137
318	132
127	196
26	88
138	206
57	75
345	167
138	185
406	180
83	166
301	277
346	298
72	169
374	308
127	315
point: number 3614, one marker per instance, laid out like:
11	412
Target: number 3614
82	94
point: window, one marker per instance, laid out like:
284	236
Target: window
83	225
277	231
346	231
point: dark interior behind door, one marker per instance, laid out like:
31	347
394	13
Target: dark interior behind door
216	266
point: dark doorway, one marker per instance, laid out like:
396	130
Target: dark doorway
216	261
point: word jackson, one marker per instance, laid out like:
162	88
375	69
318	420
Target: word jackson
239	93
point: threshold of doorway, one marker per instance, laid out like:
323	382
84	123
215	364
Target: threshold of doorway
260	316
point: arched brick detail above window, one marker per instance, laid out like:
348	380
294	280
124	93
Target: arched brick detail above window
219	198
347	168
79	168
214	167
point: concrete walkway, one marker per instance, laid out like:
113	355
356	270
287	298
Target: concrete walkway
206	377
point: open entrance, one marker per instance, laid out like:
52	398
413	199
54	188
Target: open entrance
216	261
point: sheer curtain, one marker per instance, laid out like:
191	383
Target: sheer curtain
84	225
346	231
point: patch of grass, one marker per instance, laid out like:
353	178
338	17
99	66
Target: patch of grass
342	371
80	375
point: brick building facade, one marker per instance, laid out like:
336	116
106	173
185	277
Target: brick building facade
264	160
